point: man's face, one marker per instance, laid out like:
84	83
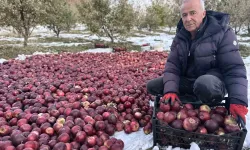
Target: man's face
192	15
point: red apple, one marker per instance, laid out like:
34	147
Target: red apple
192	113
188	106
64	137
201	130
182	115
190	123
134	126
164	107
31	144
33	136
5	130
112	119
169	116
80	136
220	131
232	128
221	110
205	108
204	116
211	125
176	106
148	128
229	120
100	125
160	115
25	128
75	129
60	146
91	141
49	131
218	118
88	128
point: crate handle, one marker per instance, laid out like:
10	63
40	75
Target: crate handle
241	122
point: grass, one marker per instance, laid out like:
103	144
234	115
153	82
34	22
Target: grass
55	39
8	52
245	41
2	43
245	35
148	33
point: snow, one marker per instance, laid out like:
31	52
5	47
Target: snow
2	60
3	38
162	40
240	38
245	43
99	50
247	140
137	140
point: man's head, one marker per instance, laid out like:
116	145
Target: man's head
192	14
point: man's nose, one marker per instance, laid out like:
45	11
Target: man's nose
188	18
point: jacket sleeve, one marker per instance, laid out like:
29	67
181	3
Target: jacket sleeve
171	74
233	68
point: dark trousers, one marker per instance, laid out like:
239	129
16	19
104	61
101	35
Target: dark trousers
206	88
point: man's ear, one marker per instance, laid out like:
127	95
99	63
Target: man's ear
204	13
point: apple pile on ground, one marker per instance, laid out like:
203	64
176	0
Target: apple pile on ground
76	101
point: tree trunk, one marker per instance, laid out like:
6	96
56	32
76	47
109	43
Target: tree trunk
57	33
26	36
248	29
25	42
236	31
112	39
110	35
56	30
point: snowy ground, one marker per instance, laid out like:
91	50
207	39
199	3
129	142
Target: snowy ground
138	140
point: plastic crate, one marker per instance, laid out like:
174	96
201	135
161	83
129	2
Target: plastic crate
165	135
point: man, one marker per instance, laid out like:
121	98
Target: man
204	61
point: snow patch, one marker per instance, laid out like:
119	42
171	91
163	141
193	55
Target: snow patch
136	140
163	40
2	60
99	50
245	43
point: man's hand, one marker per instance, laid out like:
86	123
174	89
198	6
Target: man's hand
171	98
238	110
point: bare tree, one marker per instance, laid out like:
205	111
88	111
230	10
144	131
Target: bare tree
237	10
59	16
158	14
174	14
140	15
247	13
22	15
103	18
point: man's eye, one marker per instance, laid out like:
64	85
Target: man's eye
192	12
184	15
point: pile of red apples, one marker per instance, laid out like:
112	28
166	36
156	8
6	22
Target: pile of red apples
76	101
203	120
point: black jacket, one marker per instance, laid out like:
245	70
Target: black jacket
215	50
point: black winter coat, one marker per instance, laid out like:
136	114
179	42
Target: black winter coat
215	50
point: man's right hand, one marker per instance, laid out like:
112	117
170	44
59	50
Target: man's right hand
171	98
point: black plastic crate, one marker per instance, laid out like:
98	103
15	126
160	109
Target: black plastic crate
165	135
